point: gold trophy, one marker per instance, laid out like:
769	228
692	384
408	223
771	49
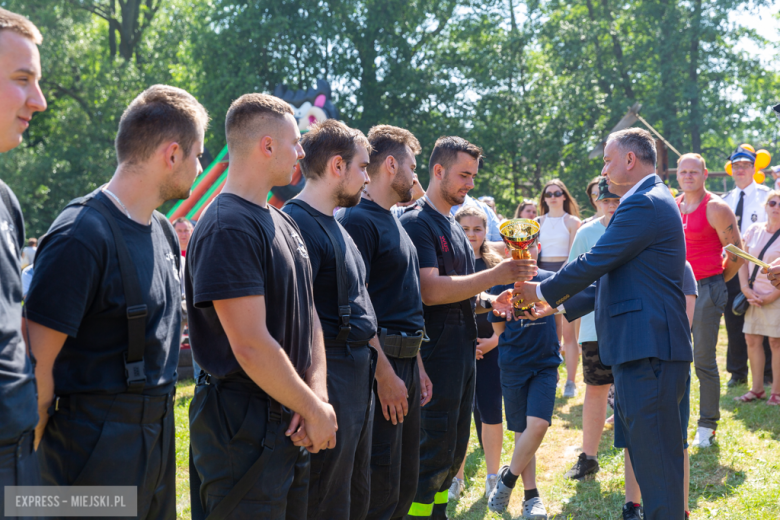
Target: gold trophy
518	234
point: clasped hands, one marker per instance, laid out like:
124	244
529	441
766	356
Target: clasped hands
524	292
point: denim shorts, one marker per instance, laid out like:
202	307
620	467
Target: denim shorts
528	393
685	415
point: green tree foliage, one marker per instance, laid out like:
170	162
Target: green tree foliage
537	84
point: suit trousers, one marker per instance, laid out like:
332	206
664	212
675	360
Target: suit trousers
340	483
228	421
395	450
649	392
18	466
114	440
736	355
706	321
445	422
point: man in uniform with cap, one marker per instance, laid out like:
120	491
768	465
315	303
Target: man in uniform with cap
19	100
746	200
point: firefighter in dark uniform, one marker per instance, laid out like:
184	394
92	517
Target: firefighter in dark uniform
104	312
393	274
335	171
18	461
449	285
261	396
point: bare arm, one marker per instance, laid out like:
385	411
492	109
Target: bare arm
499	327
690	306
572	224
45	345
722	219
391	389
439	290
266	363
317	375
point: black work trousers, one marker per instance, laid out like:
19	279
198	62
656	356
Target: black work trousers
736	355
395	450
449	360
18	466
341	478
114	440
228	421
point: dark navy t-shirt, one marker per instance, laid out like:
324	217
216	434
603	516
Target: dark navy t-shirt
323	268
77	290
241	249
526	344
392	268
18	398
431	231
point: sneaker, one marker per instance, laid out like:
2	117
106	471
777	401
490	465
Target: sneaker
632	512
705	437
582	468
570	390
499	497
490	483
456	488
534	509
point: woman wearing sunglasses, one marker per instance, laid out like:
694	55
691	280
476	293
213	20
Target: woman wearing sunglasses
592	191
559	222
763	316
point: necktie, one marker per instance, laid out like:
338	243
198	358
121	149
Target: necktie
739	210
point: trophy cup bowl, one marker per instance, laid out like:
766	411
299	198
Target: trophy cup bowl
518	234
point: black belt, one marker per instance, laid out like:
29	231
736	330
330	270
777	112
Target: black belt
238	383
336	343
124	408
711	279
400	345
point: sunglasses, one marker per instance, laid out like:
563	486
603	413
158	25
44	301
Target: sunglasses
772	203
551	194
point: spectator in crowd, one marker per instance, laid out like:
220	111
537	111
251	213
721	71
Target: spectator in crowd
20	98
491	203
598	378
493	233
559	222
183	227
746	200
528	357
709	226
488	406
526	209
448	285
110	258
762	319
335	169
592	192
254	331
393	277
28	253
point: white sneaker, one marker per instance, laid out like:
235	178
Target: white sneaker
490	483
456	489
705	437
570	390
534	509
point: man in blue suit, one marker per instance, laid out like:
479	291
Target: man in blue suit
640	314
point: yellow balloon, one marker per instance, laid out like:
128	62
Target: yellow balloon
728	167
762	159
748	147
759	177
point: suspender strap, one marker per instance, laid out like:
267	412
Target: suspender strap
136	308
341	272
761	257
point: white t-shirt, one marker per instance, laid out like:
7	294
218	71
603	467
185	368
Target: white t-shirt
28	256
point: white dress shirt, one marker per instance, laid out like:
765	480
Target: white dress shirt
624	197
752	207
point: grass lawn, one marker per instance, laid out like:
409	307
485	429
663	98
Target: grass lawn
738	478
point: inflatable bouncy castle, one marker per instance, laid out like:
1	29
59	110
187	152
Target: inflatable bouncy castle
309	106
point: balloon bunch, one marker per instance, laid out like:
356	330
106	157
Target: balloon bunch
762	161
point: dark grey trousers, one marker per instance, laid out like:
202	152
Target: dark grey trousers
706	321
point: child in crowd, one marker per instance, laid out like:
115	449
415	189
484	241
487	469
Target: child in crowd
528	358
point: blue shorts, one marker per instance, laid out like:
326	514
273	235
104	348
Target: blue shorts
685	415
528	393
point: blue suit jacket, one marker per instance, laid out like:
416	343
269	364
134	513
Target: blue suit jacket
640	263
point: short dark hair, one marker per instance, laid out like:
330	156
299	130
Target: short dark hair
328	139
244	118
32	242
445	151
636	140
20	25
182	220
389	140
158	114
